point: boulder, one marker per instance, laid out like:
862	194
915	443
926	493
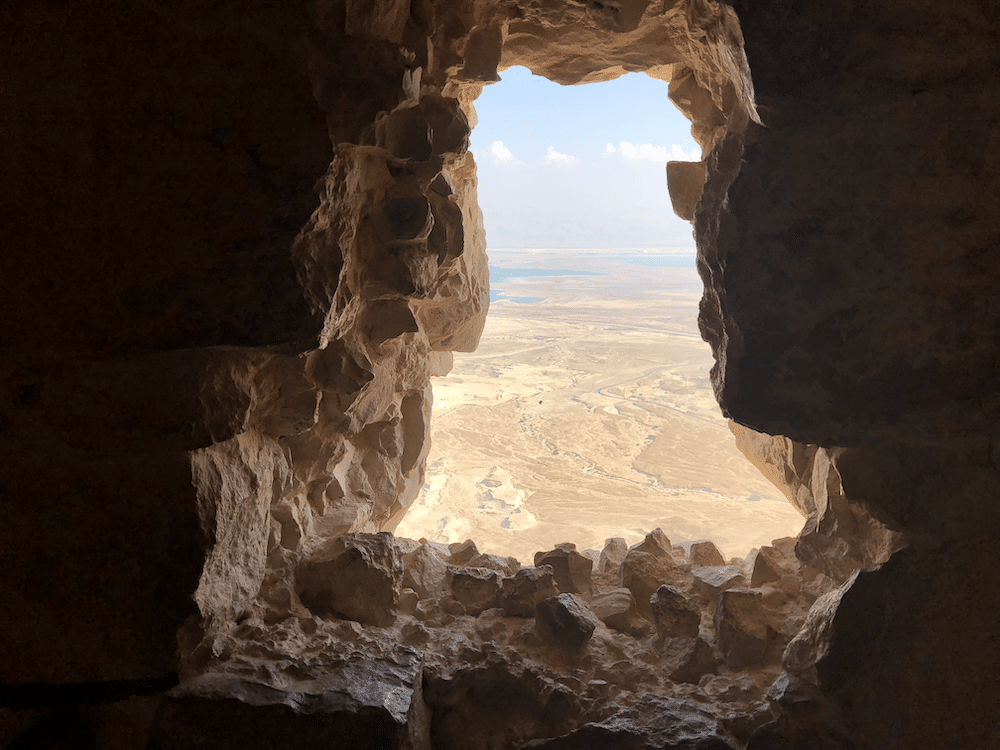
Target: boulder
710	581
764	565
617	610
644	572
655	543
476	588
612	555
462	552
674	614
704	553
572	570
522	591
742	628
425	572
564	620
508	566
367	705
355	577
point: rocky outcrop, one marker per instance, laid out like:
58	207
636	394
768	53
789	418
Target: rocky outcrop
238	240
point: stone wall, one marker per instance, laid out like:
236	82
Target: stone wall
238	240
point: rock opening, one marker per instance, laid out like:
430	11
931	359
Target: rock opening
239	239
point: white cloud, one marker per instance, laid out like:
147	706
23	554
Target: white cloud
609	149
563	160
677	153
660	154
501	152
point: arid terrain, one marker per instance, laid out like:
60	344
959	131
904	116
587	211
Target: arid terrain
589	392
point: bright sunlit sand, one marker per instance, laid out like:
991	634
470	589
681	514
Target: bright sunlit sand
587	413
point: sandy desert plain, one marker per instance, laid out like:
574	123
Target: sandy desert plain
587	413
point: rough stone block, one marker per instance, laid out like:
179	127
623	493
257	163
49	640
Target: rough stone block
709	581
571	569
564	620
525	589
705	553
425	572
742	627
644	572
617	610
359	579
612	555
674	614
690	659
476	588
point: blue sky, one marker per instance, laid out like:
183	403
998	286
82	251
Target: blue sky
579	166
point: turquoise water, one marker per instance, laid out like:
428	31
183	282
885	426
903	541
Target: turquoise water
500	275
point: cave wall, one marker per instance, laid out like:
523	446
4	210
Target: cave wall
238	241
851	272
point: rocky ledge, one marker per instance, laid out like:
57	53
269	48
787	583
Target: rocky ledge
430	645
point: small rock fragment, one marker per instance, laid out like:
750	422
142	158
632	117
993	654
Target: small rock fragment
673	613
564	620
572	570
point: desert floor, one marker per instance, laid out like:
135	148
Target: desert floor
587	413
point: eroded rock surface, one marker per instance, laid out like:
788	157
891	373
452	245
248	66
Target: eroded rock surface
239	239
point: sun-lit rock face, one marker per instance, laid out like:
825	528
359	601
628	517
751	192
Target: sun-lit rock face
238	241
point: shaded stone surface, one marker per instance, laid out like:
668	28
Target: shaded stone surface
673	613
359	581
571	569
653	723
565	621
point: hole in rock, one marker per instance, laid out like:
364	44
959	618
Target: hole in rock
587	411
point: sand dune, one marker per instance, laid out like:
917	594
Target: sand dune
588	415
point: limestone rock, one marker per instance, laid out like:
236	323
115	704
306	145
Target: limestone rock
612	555
617	610
765	566
357	577
654	722
373	705
710	581
572	570
565	621
704	553
508	566
644	572
674	614
462	552
476	588
656	543
742	628
425	572
525	589
689	659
